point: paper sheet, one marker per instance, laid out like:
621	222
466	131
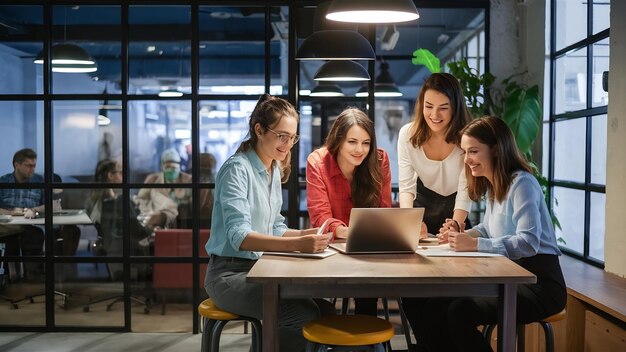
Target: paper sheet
444	250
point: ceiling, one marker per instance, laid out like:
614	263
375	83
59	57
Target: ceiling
231	41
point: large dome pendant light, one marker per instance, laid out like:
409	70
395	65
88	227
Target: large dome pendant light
342	70
329	43
372	11
67	57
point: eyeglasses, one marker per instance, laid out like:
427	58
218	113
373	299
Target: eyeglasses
285	137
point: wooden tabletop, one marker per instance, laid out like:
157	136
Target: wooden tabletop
388	268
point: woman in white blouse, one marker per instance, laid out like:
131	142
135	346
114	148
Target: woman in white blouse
429	158
431	165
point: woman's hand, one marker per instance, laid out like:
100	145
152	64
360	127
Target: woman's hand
341	232
424	231
313	243
449	225
462	242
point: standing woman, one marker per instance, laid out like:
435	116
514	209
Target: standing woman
246	221
517	224
430	161
348	171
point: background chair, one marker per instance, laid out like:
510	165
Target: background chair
111	243
175	243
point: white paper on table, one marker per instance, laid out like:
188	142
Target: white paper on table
444	250
326	253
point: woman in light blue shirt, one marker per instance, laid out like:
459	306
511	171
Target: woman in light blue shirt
517	224
246	221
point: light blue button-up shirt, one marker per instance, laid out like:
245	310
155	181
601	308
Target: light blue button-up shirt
246	200
521	225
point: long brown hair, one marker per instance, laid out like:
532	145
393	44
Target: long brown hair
268	112
505	156
447	85
367	180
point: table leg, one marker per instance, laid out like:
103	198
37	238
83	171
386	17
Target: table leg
507	321
270	317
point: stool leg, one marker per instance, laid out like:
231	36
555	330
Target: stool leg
310	346
257	336
208	325
488	331
345	302
521	338
547	330
216	333
405	326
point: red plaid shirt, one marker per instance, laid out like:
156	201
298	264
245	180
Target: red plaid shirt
328	191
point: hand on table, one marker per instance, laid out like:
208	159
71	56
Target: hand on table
313	243
462	241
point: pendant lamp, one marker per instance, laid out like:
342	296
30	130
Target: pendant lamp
326	90
341	70
385	85
334	41
170	93
372	11
69	58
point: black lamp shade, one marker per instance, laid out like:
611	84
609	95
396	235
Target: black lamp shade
372	11
335	45
326	90
342	70
69	58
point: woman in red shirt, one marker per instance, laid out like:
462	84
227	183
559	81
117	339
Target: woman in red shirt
347	172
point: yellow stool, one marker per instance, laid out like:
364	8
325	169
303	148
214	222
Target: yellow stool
546	324
213	321
342	331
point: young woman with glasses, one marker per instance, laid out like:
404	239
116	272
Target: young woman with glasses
246	221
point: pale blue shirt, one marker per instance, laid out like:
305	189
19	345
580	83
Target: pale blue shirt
246	200
520	226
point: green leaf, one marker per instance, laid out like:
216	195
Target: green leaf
426	58
522	112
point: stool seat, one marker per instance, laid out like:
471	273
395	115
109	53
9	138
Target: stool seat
348	330
213	321
556	317
209	310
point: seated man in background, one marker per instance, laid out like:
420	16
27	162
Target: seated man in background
27	202
167	207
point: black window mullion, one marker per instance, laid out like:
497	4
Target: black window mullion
195	172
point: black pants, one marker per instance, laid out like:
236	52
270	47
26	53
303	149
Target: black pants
450	324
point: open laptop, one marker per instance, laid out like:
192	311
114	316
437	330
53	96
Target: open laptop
382	230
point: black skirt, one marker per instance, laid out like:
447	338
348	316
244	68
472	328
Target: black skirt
437	207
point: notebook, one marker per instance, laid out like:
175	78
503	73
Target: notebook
382	230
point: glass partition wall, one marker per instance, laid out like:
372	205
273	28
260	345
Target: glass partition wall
129	134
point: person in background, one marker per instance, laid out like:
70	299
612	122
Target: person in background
430	161
247	221
105	208
207	175
167	207
517	224
348	171
26	202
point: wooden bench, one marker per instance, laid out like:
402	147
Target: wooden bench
596	309
596	312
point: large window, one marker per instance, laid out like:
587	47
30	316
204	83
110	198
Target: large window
577	124
163	87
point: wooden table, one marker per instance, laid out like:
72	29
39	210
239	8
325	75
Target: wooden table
392	275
